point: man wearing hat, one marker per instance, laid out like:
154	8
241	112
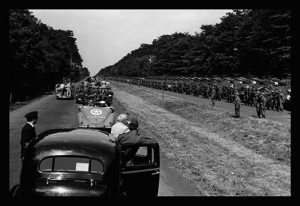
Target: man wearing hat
237	104
213	95
257	103
262	105
28	131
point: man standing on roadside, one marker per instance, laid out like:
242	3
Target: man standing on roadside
213	95
28	131
262	106
237	105
256	101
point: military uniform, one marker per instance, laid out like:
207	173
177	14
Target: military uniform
213	96
262	104
28	131
237	105
256	101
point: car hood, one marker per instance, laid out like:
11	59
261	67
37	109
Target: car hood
95	116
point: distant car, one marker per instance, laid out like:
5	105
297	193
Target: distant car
95	116
107	95
84	162
64	92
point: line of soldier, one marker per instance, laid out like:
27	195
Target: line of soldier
91	92
249	94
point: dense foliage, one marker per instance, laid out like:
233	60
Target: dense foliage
40	56
256	42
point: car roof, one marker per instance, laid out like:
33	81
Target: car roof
79	142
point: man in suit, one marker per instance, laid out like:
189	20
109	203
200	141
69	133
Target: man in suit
28	131
133	137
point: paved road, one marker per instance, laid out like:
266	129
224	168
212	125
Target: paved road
282	117
62	114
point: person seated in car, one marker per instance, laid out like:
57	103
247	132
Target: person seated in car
119	127
132	137
62	88
68	89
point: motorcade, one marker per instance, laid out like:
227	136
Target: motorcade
84	162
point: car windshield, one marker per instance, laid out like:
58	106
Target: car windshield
71	164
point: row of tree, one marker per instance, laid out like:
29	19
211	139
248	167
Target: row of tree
256	42
40	56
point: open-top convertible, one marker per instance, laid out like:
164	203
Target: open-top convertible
63	92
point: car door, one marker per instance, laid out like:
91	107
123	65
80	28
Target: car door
140	172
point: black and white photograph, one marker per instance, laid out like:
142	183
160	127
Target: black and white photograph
151	103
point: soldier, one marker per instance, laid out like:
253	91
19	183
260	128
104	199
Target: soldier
280	101
220	93
207	91
237	105
256	101
268	101
228	94
262	105
217	93
28	131
213	95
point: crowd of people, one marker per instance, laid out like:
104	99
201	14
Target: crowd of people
95	91
277	97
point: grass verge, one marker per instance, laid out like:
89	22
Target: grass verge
220	154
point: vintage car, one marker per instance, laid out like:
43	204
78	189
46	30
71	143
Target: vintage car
105	84
84	162
96	116
64	93
106	94
80	98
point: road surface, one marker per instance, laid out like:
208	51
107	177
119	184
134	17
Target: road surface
63	114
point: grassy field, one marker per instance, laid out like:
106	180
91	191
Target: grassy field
220	154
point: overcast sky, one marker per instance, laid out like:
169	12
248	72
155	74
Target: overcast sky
105	36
